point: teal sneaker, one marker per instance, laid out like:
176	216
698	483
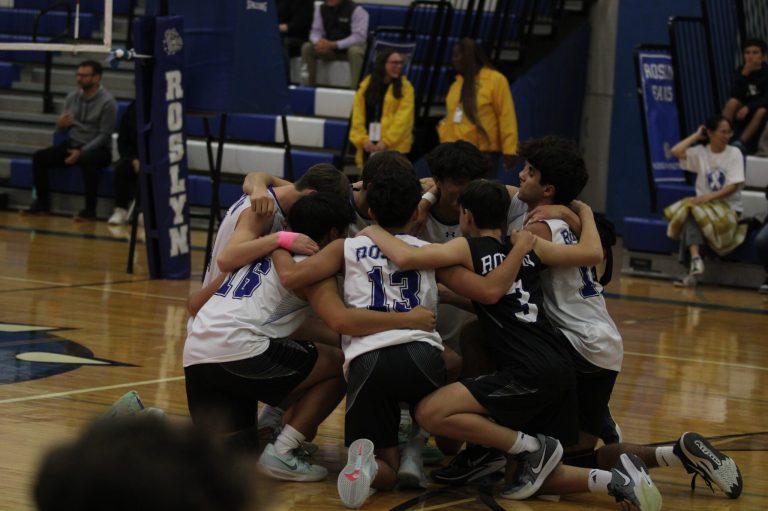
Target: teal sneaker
128	405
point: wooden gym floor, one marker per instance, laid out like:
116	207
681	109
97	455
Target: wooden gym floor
695	360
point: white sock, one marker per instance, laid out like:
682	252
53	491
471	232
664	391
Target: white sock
405	419
289	439
666	457
524	443
270	417
417	439
599	480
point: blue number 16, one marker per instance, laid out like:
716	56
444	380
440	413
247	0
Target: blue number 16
250	281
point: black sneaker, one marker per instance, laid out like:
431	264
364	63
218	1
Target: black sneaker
469	465
632	485
703	459
533	468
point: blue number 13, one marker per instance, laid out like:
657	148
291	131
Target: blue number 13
409	283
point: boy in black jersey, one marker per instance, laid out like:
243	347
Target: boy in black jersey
533	386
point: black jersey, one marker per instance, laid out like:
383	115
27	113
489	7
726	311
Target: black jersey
517	334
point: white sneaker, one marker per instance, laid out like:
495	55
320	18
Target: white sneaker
119	217
411	472
697	266
289	467
687	281
354	483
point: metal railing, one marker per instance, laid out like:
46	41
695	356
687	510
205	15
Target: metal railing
48	106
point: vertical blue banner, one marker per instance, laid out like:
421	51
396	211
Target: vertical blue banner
162	145
234	57
657	87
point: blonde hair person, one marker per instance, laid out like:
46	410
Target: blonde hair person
479	107
382	113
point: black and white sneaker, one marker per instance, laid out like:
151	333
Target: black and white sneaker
632	485
533	468
703	459
470	465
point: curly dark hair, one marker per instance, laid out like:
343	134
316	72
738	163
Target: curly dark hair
560	163
393	197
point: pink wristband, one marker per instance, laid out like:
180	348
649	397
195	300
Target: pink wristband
286	238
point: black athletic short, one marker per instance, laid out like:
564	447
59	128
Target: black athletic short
224	397
380	380
523	404
595	386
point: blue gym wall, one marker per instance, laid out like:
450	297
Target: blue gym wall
640	21
549	96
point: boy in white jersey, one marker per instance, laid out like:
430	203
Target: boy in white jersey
247	233
376	164
387	368
532	388
238	351
555	173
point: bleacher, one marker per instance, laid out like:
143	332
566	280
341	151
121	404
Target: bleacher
317	126
702	86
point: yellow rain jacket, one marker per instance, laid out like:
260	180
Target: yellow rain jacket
396	120
495	112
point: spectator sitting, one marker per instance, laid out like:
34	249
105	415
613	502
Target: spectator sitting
126	169
294	18
720	175
339	30
382	113
88	120
143	463
479	107
748	104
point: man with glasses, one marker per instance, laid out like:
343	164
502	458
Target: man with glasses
88	120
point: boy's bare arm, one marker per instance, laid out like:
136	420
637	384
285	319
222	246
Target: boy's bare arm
325	300
326	263
589	250
198	298
427	257
491	287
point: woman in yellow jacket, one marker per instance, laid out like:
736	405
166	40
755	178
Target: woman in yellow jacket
479	107
382	114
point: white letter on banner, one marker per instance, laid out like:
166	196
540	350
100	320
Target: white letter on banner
175	116
179	243
173	88
177	204
177	185
175	148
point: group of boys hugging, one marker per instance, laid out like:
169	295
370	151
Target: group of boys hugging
467	306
